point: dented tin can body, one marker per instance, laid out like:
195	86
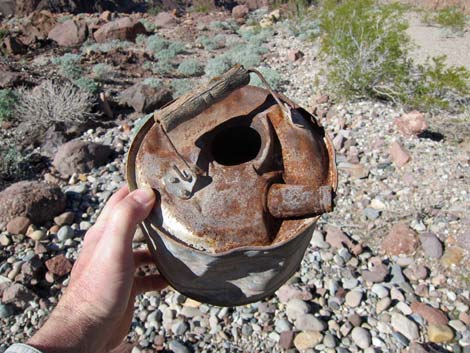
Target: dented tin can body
255	263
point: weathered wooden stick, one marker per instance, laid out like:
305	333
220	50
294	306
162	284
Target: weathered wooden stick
191	104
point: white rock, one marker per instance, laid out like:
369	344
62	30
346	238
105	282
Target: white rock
361	337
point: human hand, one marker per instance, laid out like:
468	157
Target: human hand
95	313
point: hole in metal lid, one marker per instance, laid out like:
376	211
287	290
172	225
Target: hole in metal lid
236	145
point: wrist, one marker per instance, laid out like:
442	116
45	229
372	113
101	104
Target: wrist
66	331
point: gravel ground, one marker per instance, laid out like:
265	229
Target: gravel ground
345	298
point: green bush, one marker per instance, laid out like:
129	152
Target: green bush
153	82
229	25
106	47
13	165
191	67
181	86
248	55
217	66
450	17
366	49
149	26
162	67
87	85
212	43
439	87
69	66
102	71
271	76
8	100
164	49
366	46
155	43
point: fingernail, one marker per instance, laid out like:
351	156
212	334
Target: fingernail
143	195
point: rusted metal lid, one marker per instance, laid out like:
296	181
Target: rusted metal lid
251	169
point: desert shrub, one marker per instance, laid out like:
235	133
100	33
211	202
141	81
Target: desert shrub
256	35
229	25
212	43
366	48
87	85
181	86
191	67
51	103
217	66
306	30
149	26
69	66
247	55
8	100
202	6
450	17
3	33
12	165
163	48
160	68
153	82
296	9
155	43
438	87
102	71
271	76
106	47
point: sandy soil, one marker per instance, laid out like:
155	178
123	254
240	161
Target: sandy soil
435	41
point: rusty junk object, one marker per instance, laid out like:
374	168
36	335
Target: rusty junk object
243	174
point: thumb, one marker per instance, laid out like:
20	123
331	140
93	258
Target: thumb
120	228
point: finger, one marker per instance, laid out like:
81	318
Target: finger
149	283
111	204
116	241
94	233
142	257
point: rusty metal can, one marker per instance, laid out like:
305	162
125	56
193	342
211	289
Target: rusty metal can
242	178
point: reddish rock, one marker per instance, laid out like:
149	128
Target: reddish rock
18	295
18	225
38	201
70	33
80	157
65	218
59	265
240	12
39	248
105	16
165	19
294	55
356	170
415	272
121	29
324	98
37	26
465	318
337	238
432	315
377	273
13	46
145	98
286	338
9	79
288	292
400	240
412	123
398	154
